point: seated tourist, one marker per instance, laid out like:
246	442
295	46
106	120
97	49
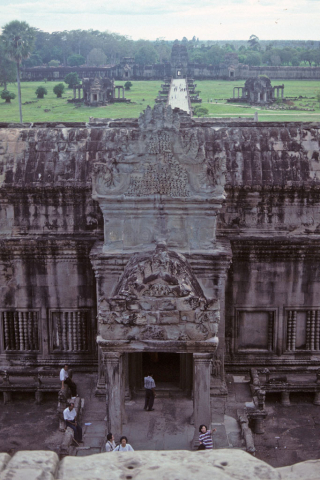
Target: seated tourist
67	380
124	446
69	415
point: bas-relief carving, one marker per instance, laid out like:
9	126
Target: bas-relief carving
160	160
159	298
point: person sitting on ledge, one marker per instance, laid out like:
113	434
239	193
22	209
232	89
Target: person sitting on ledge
123	446
67	379
69	415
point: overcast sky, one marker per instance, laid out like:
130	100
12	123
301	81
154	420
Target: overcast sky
171	19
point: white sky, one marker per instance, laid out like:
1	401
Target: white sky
171	19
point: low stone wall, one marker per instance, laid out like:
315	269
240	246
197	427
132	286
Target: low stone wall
175	465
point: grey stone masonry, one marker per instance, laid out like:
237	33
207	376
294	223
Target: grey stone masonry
216	464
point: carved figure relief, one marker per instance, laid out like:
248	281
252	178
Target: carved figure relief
159	298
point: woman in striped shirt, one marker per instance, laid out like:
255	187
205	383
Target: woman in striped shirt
205	437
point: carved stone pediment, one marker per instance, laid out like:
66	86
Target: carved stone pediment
158	297
158	274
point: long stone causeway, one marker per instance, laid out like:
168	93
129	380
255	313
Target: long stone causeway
178	95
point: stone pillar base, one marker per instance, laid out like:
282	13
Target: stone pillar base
7	397
316	400
285	399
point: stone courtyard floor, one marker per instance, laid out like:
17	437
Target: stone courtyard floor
292	434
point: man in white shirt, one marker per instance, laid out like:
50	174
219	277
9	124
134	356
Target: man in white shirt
66	379
123	446
111	444
69	415
149	386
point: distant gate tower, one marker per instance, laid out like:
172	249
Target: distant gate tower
179	60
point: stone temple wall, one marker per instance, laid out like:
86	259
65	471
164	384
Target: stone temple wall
269	224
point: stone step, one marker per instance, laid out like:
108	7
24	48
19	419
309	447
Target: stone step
166	392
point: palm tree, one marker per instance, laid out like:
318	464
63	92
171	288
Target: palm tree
18	38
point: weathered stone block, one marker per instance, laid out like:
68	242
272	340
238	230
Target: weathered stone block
44	462
4	459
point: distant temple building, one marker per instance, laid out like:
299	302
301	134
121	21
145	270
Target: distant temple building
98	92
257	90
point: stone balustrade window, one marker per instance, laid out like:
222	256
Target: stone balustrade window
69	331
303	329
20	330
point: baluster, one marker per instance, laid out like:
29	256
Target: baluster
289	330
74	332
294	329
83	329
59	329
16	330
64	330
317	340
70	325
25	330
7	345
270	331
312	329
21	331
308	330
35	329
79	331
30	334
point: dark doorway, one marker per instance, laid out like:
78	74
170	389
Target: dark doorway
164	366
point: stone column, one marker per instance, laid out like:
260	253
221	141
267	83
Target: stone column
285	398
126	377
101	384
282	92
74	93
201	390
114	391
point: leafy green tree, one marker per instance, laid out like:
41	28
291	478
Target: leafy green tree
54	63
200	111
8	72
215	55
127	85
75	60
146	55
254	42
253	58
306	56
58	89
7	96
295	62
96	57
33	61
72	79
18	38
41	92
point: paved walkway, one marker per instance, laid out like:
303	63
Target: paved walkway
178	95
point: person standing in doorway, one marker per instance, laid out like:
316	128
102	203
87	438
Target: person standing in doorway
205	437
149	386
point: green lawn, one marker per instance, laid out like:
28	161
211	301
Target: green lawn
213	93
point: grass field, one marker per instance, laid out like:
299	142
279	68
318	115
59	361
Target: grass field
213	93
